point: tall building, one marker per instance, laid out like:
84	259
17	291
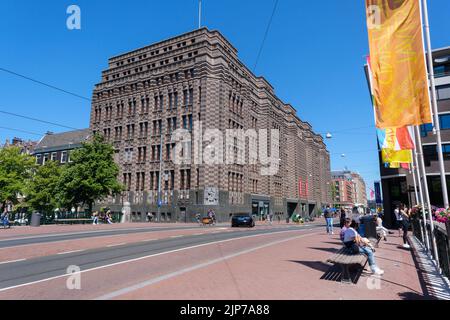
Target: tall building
398	184
360	190
196	81
343	189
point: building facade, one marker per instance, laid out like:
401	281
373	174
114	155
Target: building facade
398	184
57	146
196	82
343	189
26	147
360	190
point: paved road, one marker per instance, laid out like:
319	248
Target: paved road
45	238
16	274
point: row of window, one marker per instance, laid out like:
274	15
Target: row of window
151	66
159	99
154	52
165	79
167	180
63	158
444	122
430	153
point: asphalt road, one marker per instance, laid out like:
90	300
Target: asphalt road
18	273
25	240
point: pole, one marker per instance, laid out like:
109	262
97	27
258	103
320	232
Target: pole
160	174
199	14
427	194
422	202
437	125
412	171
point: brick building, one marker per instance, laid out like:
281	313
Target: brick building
344	189
196	79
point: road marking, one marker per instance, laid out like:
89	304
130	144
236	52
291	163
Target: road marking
49	235
116	245
177	236
198	234
12	261
148	240
67	252
143	284
146	257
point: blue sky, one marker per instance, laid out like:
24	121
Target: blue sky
313	56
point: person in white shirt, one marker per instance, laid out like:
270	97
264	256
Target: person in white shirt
399	218
352	239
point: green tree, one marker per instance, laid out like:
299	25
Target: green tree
91	176
15	169
42	188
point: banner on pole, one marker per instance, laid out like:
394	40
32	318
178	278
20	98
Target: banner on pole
396	157
399	77
377	186
395	139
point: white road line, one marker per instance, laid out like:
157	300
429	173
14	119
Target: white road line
49	235
143	284
148	240
116	245
11	261
198	234
67	252
177	236
145	257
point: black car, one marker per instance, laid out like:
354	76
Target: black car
242	220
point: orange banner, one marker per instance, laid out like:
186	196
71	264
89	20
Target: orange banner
399	75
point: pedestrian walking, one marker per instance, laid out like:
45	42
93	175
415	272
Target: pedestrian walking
328	215
95	218
109	217
399	219
405	213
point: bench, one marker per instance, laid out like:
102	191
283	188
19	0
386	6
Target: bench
345	259
71	221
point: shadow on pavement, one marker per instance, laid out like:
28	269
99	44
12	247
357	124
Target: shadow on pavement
413	296
332	273
331	250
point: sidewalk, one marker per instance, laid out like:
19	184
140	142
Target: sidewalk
294	270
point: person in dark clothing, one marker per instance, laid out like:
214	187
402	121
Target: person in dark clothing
405	213
343	216
328	215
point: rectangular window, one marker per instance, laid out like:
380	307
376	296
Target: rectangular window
443	92
53	156
64	157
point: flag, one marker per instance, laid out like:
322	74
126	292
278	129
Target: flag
395	138
392	156
372	194
399	78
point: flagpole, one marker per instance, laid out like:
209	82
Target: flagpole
437	125
199	14
427	194
419	180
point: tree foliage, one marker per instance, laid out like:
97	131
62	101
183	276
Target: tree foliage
91	176
15	169
42	188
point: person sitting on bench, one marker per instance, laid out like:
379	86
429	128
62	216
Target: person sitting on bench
357	244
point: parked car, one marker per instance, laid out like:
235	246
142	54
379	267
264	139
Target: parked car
242	219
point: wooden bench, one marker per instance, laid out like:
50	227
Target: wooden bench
345	258
71	221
